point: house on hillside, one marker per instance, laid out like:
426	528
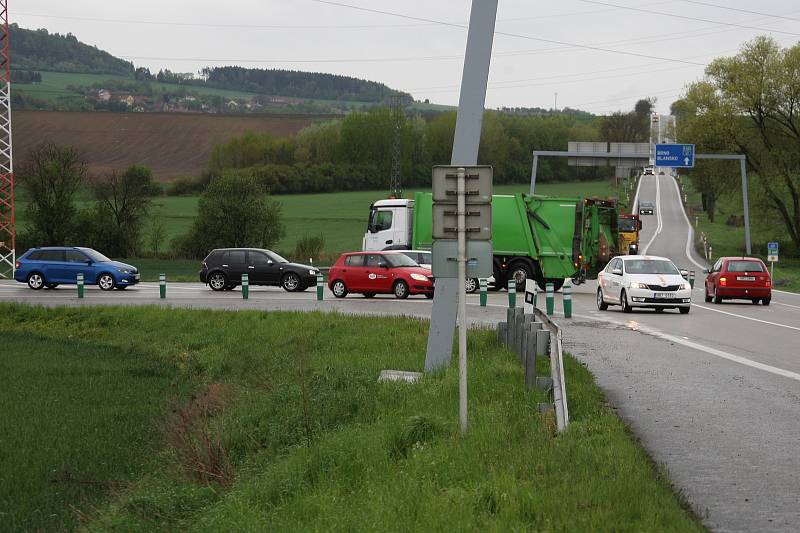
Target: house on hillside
103	95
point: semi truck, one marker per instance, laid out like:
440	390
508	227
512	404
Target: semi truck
543	238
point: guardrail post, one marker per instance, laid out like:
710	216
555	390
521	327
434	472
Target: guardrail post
691	278
566	293
550	299
512	292
80	284
482	284
320	286
529	357
162	286
245	286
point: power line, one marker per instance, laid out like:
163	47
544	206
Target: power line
683	17
760	13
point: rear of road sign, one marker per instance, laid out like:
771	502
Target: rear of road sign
675	155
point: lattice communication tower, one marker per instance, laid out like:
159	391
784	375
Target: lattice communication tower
7	229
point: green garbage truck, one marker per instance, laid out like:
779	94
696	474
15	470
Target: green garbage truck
544	238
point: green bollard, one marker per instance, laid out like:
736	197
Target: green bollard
482	284
162	285
80	284
550	299
320	286
245	286
567	298
512	293
691	279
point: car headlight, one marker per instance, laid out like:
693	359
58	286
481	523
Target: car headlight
312	272
639	286
683	287
125	271
419	277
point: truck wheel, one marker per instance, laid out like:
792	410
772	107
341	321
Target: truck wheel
557	284
520	272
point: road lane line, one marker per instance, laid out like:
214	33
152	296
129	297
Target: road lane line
636	197
658	217
747	317
695	346
690	236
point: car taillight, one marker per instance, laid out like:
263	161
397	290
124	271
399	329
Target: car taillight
723	281
768	283
16	265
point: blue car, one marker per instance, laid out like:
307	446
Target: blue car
51	266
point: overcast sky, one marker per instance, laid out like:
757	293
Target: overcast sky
426	58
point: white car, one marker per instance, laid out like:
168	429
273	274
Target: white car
643	281
423	259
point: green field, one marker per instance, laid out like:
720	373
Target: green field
729	240
252	421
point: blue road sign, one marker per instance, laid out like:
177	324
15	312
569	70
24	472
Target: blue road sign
675	155
772	248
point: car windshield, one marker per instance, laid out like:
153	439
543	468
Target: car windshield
275	257
650	266
647	204
94	255
745	266
626	224
400	260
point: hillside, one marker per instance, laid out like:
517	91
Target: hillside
170	144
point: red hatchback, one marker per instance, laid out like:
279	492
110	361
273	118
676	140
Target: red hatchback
739	277
371	273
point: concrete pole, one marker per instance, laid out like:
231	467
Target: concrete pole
533	172
746	203
462	300
465	153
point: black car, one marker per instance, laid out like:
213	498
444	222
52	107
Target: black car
646	208
223	269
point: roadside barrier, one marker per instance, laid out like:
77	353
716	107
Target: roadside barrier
532	335
80	284
320	286
512	292
245	286
482	284
566	293
162	286
550	299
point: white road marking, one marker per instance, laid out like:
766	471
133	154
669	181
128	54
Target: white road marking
658	216
690	236
636	197
747	317
712	351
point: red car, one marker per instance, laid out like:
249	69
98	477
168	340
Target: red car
739	277
371	273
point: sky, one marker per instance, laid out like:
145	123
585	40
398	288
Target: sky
596	55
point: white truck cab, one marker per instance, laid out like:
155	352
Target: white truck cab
390	223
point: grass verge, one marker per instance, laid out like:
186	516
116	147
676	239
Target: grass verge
274	421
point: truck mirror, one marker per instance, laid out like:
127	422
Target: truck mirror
639	224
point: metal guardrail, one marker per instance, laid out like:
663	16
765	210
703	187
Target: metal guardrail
556	370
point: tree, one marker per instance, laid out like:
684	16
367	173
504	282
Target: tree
52	176
753	101
621	127
235	211
123	201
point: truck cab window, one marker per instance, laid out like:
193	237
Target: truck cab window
380	221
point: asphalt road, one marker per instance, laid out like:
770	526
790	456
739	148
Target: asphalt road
713	395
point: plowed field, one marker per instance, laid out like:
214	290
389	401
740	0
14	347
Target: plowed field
171	144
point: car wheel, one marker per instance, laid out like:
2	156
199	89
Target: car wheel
601	303
684	310
229	287
708	296
429	295
717	298
339	288
35	280
659	309
51	285
290	282
471	285
106	282
623	298
755	300
122	287
520	272
400	289
218	281
369	295
765	301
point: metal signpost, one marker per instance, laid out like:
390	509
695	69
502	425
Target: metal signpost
675	155
462	208
772	257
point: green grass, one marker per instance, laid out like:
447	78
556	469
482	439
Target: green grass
729	240
287	429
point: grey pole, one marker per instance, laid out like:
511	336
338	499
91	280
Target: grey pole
465	153
746	203
533	172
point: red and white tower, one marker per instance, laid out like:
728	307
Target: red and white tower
7	230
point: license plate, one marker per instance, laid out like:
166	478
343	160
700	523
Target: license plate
745	278
664	295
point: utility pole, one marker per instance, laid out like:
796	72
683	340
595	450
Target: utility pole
395	179
555	102
7	223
